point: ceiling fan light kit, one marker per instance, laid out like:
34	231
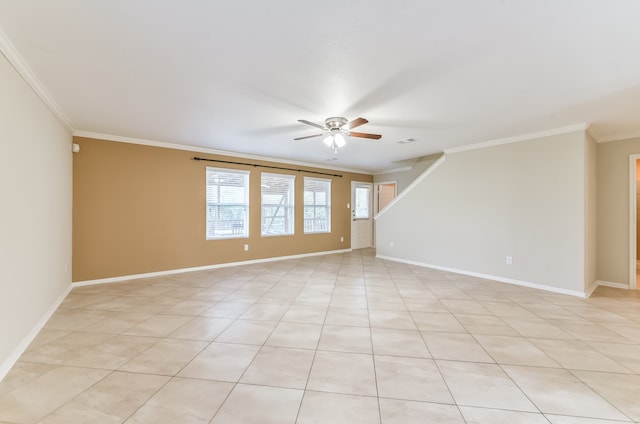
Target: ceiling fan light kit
335	140
336	129
339	140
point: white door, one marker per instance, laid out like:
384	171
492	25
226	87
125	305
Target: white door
361	215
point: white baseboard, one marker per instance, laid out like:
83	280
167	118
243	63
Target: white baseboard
612	284
203	268
9	362
592	287
489	277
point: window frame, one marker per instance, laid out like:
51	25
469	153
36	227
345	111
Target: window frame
315	206
289	207
357	187
246	204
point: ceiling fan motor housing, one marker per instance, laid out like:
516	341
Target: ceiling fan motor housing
335	122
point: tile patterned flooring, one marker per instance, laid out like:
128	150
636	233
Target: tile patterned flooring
344	338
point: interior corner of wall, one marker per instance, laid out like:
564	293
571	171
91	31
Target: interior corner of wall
591	287
7	363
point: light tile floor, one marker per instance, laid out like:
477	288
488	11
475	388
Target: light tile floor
341	338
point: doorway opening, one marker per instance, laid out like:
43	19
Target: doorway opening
634	225
384	194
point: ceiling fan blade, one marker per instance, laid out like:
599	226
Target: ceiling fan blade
365	135
355	123
308	136
313	124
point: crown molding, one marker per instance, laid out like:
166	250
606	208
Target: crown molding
391	171
518	138
175	146
618	137
9	51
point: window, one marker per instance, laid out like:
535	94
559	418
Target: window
227	203
362	202
317	205
277	204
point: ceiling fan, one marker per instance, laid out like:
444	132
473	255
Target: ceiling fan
335	130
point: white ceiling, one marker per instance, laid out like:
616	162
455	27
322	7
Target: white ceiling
236	75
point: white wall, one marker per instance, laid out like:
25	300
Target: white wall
404	178
591	213
613	209
525	200
36	189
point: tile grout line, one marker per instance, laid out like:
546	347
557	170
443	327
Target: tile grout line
209	343
76	396
240	280
595	391
235	384
373	357
455	402
315	352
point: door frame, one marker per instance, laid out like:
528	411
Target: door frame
371	214
376	204
375	191
633	230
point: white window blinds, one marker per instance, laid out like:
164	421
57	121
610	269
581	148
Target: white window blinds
227	203
317	205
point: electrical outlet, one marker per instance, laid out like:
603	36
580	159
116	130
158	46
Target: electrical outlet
391	244
509	260
246	247
341	239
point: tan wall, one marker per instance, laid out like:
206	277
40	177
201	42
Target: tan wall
613	209
140	209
